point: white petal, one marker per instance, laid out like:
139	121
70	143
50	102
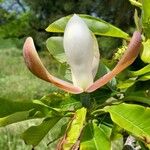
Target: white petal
78	45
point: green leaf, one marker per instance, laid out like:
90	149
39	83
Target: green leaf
143	146
145	51
16	117
117	144
96	25
116	138
142	71
137	21
133	118
94	138
144	77
126	84
43	107
136	3
56	133
102	70
75	129
23	110
8	107
35	134
138	86
146	17
105	126
56	49
65	102
138	96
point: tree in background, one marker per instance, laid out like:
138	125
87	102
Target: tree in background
21	18
14	19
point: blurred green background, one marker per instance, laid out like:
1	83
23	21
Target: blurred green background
22	18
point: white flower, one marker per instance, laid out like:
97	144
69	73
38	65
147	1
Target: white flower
79	44
82	53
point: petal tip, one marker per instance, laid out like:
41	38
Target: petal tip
28	45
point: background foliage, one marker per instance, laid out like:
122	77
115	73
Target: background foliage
21	18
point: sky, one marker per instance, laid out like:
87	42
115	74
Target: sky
12	6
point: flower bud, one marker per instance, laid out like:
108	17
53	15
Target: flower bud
78	45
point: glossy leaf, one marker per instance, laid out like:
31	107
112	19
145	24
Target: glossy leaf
96	25
117	144
56	133
146	17
94	138
145	77
145	52
126	84
142	71
65	102
15	106
136	3
13	118
75	129
138	96
21	110
55	47
116	138
34	134
102	70
133	118
137	21
8	107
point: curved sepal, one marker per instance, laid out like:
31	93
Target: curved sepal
35	65
127	59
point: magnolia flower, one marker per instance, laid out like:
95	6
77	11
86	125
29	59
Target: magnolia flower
82	53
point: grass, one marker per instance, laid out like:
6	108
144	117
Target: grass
17	83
